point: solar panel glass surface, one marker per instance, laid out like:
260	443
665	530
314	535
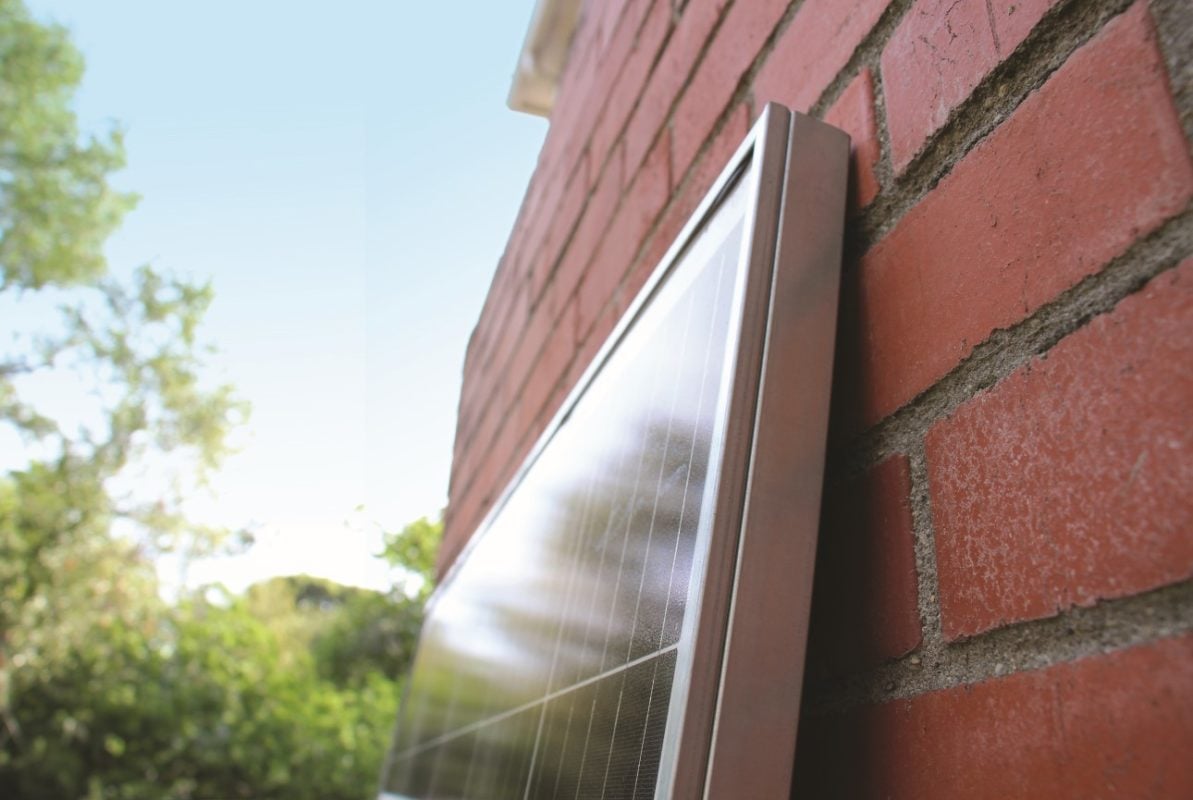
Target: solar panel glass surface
611	631
546	662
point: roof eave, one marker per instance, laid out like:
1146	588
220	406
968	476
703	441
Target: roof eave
543	57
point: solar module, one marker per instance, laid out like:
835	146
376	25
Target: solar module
577	647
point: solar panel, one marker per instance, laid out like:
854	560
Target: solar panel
577	649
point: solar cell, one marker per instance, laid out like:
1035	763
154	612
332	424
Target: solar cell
575	649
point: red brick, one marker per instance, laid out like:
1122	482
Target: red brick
456	533
1015	19
864	599
497	398
572	268
732	51
679	56
578	75
543	192
502	330
593	223
490	385
640	207
484	422
467	405
619	44
552	318
454	536
549	368
632	79
1068	482
503	302
591	344
640	273
715	159
574	113
609	15
1093	160
546	414
563	218
650	189
699	181
471	349
853	112
487	383
1115	725
526	237
458	448
464	471
466	508
816	45
599	285
483	335
941	50
486	484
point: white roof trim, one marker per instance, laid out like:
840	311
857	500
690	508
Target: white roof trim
543	57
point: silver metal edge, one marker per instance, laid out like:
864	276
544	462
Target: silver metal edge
684	759
740	160
753	744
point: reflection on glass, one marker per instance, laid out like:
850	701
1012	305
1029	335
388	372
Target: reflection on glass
546	662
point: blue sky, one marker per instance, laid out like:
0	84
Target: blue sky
346	175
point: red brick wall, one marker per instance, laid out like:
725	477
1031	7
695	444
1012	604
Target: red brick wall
1004	592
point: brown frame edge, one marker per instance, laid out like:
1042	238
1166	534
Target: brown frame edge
739	729
758	703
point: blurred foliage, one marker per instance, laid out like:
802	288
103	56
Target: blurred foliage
344	633
412	551
141	428
55	201
106	689
193	701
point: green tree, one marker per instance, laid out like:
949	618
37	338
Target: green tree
412	552
344	633
196	701
56	206
371	634
130	346
94	492
106	690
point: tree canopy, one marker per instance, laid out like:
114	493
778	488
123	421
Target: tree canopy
56	206
207	699
106	689
130	348
412	550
